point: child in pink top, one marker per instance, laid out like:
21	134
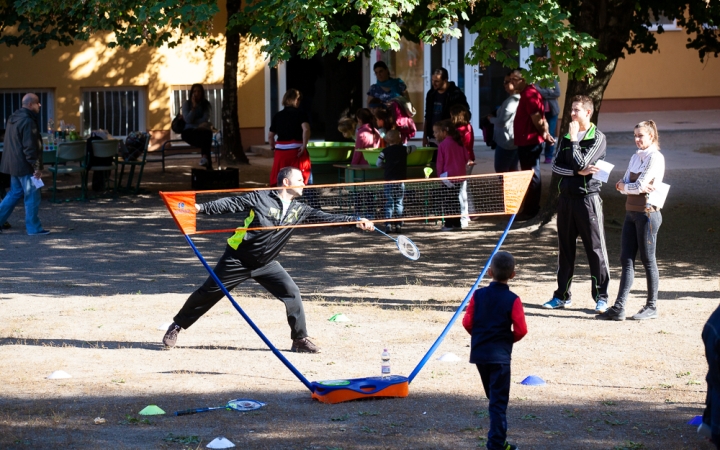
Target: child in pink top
451	162
460	116
366	136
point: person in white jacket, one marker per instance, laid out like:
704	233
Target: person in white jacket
642	221
506	155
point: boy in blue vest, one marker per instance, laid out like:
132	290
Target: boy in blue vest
495	319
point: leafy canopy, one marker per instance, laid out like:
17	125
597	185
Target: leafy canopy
35	23
348	28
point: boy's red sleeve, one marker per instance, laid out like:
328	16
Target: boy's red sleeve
518	320
469	314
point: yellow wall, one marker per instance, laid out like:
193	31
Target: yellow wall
91	64
673	72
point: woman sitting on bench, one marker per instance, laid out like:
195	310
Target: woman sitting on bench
198	129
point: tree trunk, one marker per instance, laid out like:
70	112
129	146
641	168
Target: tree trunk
232	149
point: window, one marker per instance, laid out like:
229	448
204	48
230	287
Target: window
667	24
213	94
11	101
117	110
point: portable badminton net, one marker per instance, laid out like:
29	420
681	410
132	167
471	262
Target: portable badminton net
424	200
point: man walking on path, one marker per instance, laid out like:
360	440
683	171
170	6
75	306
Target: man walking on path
531	134
579	210
22	160
251	254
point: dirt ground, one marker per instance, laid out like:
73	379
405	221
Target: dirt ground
93	299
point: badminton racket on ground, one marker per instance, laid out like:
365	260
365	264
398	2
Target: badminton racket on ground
405	245
239	404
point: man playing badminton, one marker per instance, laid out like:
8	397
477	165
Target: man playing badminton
251	254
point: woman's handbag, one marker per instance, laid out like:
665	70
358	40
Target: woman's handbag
178	124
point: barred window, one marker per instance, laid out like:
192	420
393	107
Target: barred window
117	110
213	94
11	101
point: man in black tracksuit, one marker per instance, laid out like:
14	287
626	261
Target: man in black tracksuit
251	254
580	207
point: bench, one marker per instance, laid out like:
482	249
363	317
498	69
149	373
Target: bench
170	147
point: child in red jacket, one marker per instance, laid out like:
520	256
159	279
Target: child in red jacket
495	319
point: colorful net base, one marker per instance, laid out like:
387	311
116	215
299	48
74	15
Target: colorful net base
338	391
422	200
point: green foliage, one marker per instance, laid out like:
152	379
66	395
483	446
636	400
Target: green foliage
349	28
35	23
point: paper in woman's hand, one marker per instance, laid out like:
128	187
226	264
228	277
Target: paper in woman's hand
605	169
658	196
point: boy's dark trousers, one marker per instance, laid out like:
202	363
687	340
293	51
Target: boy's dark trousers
496	381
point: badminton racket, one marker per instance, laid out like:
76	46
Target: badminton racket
405	245
239	404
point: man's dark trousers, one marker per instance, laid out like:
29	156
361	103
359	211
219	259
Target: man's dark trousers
581	216
529	156
232	272
496	382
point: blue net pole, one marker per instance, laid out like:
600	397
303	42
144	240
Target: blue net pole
439	340
267	342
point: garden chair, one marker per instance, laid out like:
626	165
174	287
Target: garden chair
70	152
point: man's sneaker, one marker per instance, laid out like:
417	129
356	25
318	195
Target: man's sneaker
601	306
647	312
556	303
39	233
170	338
508	446
612	314
304	346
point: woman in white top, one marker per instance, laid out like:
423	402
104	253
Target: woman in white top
642	221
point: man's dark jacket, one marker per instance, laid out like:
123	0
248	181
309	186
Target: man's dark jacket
573	157
454	96
22	151
256	248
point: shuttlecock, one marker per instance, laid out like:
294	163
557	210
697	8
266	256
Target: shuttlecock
449	357
151	410
220	442
58	375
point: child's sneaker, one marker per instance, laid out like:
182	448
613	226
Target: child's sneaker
398	228
508	446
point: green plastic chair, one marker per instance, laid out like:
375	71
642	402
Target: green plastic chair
106	149
140	162
70	152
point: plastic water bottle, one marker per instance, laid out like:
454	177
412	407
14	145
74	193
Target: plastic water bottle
385	366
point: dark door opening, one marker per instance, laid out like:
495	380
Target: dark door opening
329	87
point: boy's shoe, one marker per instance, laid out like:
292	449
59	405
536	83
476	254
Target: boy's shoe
40	233
647	312
556	303
508	446
601	306
304	346
612	314
170	338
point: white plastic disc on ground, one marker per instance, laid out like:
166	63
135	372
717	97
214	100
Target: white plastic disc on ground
58	375
449	357
164	326
220	442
